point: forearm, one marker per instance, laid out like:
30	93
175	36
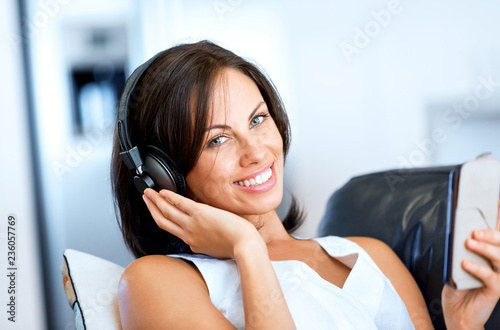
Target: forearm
264	304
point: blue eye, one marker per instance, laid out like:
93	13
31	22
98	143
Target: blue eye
258	119
216	141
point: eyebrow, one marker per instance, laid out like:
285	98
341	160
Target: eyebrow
229	127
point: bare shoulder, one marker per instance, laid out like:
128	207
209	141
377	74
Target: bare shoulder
378	250
392	267
369	242
164	292
384	257
158	269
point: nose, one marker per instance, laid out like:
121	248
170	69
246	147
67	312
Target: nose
253	151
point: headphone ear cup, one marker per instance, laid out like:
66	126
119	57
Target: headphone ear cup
142	182
162	170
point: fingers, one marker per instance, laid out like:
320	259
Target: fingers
169	209
166	216
182	203
485	242
160	219
489	251
487	235
487	275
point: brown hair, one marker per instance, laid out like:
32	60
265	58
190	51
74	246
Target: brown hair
170	109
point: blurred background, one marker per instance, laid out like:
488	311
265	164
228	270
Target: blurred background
368	86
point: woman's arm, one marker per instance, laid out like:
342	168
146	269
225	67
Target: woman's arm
222	234
263	301
160	292
392	267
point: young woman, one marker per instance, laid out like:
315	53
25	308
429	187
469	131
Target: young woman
220	257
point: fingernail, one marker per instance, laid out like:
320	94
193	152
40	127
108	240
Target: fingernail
478	233
472	242
144	198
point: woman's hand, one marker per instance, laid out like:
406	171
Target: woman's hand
204	228
470	309
222	234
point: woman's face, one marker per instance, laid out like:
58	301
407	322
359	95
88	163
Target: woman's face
241	165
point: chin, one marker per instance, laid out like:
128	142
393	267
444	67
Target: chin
263	204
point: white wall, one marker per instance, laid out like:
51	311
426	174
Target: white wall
16	188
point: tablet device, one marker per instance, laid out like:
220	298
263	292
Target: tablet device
474	189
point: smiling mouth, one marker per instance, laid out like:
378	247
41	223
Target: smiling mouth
257	180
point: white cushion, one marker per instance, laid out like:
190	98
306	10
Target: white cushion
91	286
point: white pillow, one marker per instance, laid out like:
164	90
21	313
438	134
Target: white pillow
91	286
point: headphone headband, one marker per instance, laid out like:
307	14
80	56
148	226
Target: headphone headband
157	171
123	108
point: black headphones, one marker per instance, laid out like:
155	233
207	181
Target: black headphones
157	171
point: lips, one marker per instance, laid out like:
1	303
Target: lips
269	174
259	177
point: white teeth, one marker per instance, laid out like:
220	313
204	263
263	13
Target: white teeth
259	179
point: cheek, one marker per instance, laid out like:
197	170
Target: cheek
208	183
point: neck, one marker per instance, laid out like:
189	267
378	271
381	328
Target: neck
270	228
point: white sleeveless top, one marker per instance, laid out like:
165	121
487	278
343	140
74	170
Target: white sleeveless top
366	301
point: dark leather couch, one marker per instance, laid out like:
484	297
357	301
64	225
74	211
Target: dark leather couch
407	209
